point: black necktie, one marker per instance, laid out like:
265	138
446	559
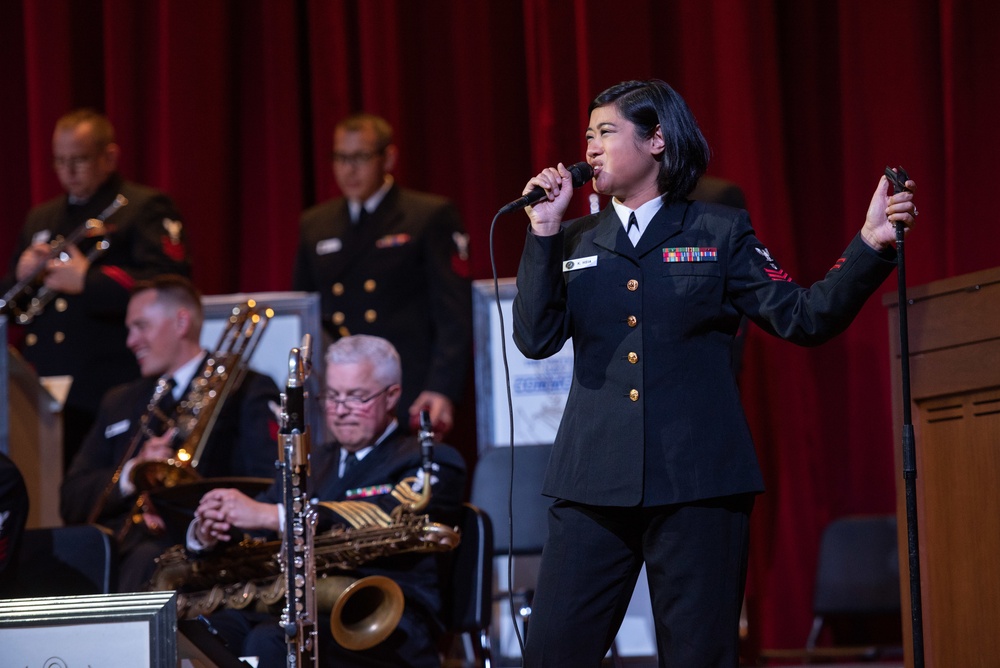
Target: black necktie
362	216
349	462
632	222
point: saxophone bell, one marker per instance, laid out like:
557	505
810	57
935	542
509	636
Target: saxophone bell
363	612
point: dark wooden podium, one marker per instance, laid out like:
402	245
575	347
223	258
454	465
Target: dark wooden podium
954	340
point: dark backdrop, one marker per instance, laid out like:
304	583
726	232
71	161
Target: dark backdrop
229	105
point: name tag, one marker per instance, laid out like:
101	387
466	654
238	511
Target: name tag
690	254
119	427
327	246
580	263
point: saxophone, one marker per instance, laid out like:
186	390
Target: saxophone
247	575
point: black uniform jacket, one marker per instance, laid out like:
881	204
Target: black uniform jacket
401	275
653	415
84	335
243	443
372	480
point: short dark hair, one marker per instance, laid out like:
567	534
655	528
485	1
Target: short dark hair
177	291
103	131
358	122
652	103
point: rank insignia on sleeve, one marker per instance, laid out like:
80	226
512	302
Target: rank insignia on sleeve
773	271
690	254
173	246
460	256
173	228
839	263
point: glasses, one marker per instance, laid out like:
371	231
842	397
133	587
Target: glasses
72	161
351	402
356	159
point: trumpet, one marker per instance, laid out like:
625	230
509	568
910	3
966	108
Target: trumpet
27	299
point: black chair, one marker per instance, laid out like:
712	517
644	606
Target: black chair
64	561
856	601
468	586
520	520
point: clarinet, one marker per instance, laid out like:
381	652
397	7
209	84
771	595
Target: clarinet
298	619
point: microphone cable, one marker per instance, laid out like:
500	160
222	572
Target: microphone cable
510	427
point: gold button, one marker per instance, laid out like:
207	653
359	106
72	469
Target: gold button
59	337
370	315
30	339
632	285
633	358
631	320
343	331
338	318
370	285
633	395
337	289
61	304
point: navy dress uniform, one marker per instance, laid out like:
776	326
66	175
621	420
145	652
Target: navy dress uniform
243	443
83	335
654	440
401	274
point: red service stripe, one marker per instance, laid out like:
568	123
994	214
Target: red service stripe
119	276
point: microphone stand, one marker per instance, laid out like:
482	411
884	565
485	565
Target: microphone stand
898	180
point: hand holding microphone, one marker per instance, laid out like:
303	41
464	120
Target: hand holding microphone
549	194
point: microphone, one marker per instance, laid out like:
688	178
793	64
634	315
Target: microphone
581	173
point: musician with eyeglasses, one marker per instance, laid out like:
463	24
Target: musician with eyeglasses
391	262
164	321
358	480
81	333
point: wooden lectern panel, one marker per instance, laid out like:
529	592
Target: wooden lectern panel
954	341
34	432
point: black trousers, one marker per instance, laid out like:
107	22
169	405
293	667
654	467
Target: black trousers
695	556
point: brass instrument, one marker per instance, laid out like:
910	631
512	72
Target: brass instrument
247	575
28	297
144	431
195	416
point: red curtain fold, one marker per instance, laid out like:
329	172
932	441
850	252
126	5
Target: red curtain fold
230	107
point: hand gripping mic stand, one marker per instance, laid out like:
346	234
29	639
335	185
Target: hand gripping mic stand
898	179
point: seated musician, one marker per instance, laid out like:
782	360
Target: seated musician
164	320
357	480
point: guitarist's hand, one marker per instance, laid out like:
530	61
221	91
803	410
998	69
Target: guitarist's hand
68	275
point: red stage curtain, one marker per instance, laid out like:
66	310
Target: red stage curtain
229	106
